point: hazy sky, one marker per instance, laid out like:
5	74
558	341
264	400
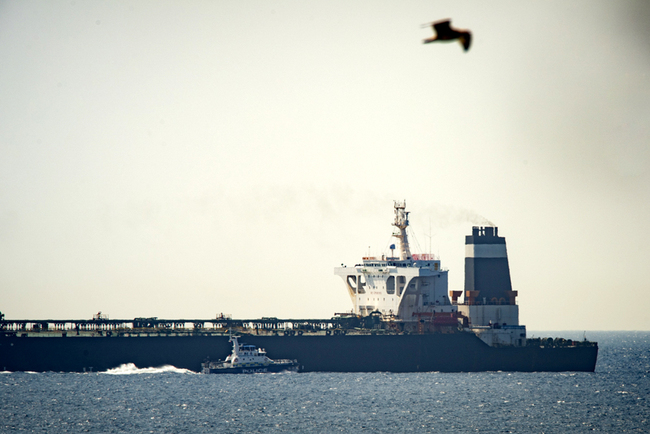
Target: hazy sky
182	159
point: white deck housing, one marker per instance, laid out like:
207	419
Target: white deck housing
414	286
401	286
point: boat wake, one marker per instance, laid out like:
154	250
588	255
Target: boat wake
131	369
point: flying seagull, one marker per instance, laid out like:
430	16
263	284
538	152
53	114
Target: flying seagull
444	32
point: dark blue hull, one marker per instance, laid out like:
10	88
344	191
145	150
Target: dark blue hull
454	352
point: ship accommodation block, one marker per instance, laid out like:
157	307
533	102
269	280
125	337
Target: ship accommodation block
403	286
412	287
395	287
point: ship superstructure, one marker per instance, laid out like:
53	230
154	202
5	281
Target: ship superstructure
413	288
401	286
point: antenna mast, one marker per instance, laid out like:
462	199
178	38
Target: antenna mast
401	223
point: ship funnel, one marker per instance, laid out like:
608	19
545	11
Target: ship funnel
487	273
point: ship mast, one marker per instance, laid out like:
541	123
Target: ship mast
401	223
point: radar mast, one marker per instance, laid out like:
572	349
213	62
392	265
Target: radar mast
401	223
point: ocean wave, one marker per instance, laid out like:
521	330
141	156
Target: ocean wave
130	369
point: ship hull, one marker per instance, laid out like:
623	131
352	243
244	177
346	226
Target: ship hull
261	369
444	352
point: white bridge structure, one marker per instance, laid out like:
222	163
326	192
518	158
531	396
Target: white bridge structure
410	287
401	286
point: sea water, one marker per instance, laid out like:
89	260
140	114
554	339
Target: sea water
615	398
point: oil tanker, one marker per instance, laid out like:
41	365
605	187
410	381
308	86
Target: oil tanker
403	319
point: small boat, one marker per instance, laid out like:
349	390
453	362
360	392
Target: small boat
247	359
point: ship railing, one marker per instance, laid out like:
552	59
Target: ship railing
424	257
558	343
156	325
481	303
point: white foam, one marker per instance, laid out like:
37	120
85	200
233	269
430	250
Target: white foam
130	369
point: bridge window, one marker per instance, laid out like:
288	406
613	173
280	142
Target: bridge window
390	285
401	282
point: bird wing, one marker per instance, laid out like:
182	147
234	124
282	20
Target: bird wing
466	40
442	27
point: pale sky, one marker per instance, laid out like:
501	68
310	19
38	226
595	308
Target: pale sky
182	159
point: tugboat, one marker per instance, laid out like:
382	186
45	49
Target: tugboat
248	359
